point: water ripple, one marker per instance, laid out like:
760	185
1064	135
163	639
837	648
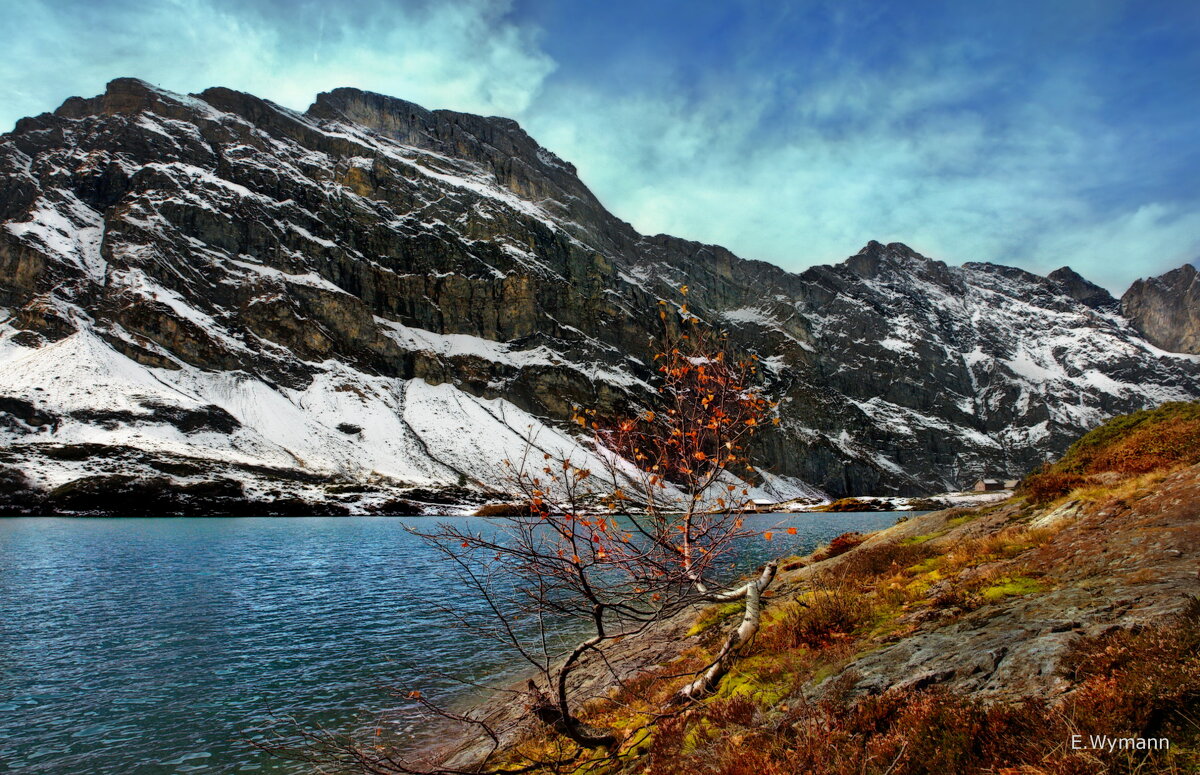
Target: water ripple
151	646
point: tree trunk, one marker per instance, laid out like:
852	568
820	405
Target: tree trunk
553	716
707	681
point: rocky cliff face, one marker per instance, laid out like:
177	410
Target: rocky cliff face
1166	309
1082	290
374	294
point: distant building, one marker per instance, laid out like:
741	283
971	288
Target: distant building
988	485
1011	484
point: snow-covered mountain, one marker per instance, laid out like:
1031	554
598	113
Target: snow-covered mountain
211	298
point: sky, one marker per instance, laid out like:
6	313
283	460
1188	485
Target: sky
1036	134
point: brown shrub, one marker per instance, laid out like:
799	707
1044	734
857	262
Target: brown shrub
1130	445
1162	418
1049	484
833	610
867	563
1131	683
668	739
1135	679
1162	445
738	710
840	545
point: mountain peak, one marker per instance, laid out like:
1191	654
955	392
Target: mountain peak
121	95
874	247
498	145
1081	289
446	131
870	262
125	96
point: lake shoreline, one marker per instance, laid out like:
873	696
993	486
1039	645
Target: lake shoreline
121	497
144	640
991	615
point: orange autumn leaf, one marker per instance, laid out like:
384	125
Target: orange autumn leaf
767	535
791	531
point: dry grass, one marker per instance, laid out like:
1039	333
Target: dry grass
833	609
1155	440
868	563
1048	485
1140	684
1123	488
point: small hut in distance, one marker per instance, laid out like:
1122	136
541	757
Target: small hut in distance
990	485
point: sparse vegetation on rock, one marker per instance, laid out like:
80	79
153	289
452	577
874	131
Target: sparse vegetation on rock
1146	442
972	640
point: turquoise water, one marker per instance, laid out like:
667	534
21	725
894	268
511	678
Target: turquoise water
150	646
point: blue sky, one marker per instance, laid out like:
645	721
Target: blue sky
1036	134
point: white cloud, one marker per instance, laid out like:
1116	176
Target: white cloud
796	167
900	155
463	55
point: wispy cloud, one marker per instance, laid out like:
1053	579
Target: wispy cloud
794	133
465	55
936	149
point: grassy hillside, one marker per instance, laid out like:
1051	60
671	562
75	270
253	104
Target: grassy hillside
1153	441
964	641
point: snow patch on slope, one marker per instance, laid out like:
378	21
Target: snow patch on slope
67	228
466	345
410	431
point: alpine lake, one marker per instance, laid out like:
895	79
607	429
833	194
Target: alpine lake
164	645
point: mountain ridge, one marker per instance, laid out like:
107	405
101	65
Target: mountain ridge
218	239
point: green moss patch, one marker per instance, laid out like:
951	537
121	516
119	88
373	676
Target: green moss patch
914	540
714	615
1011	587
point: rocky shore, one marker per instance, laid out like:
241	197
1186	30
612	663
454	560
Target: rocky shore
1005	608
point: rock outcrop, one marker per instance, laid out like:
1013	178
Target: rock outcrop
1166	309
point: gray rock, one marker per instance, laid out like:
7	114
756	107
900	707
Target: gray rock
1166	309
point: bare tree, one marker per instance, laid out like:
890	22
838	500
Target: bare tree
600	553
